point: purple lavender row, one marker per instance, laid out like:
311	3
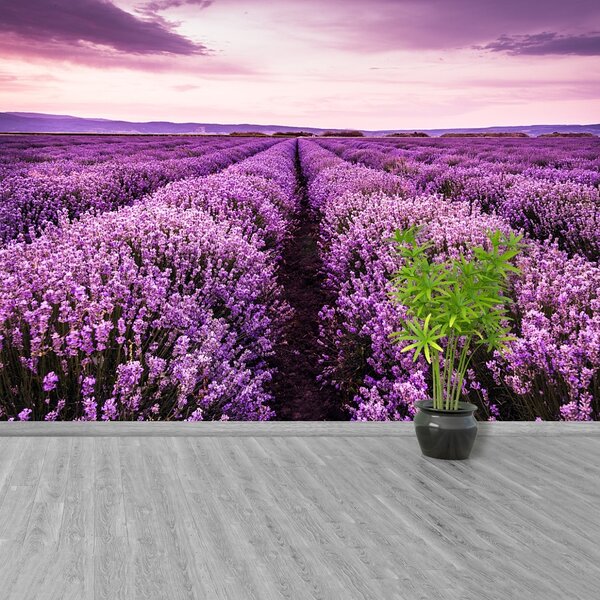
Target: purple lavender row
167	309
22	154
29	204
561	202
540	157
553	369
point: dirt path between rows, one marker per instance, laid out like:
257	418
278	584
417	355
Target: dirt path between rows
298	394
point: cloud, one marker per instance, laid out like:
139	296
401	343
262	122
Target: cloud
186	87
97	24
157	5
372	26
20	83
545	43
50	54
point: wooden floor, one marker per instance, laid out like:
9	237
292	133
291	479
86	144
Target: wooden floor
334	511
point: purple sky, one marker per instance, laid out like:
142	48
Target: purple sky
340	63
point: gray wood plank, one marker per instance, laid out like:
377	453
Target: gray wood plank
185	574
191	483
112	552
266	517
283	527
230	521
72	574
508	538
10	451
281	428
149	576
18	561
37	553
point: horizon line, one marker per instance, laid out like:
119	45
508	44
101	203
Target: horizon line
299	127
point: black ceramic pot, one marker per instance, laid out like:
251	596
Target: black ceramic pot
447	434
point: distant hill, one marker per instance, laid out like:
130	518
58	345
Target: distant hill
42	123
24	122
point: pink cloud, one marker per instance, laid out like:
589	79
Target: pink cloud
96	23
545	43
380	25
159	5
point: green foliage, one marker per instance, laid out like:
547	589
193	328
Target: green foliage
247	134
293	134
344	133
454	307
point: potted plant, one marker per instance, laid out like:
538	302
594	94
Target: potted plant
454	309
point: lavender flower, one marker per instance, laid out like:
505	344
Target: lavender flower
50	381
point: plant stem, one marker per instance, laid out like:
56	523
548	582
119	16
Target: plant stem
437	382
462	367
449	367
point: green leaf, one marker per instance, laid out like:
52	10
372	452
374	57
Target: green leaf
464	298
427	354
409	348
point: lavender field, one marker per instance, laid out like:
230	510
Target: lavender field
207	278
